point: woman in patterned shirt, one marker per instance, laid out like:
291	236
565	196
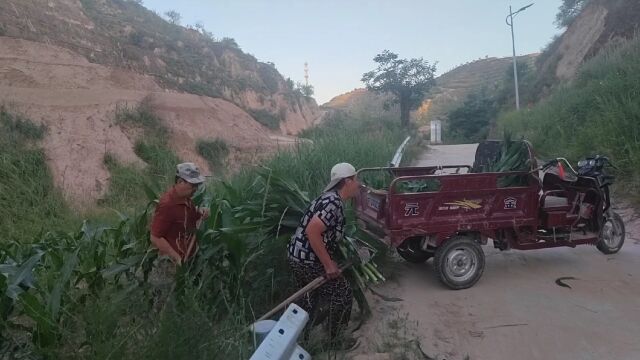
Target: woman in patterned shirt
313	248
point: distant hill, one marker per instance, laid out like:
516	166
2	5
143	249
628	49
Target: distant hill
362	103
451	88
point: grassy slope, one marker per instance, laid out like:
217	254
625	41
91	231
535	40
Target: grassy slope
29	203
597	113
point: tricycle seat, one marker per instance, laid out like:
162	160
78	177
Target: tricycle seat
553	202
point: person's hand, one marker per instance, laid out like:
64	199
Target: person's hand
177	259
333	271
204	213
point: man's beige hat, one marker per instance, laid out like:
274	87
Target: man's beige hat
339	172
189	172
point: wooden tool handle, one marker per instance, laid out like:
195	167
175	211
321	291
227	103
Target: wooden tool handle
316	283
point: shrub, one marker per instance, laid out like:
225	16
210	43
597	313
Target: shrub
161	159
136	39
173	16
141	116
266	118
470	121
270	77
21	126
230	43
213	150
30	204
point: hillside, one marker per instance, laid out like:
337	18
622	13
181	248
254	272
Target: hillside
69	64
362	103
590	101
600	23
451	88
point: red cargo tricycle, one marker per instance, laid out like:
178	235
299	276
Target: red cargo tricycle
448	212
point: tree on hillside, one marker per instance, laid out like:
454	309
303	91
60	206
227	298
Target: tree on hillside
174	17
305	90
470	121
569	10
208	34
408	80
230	42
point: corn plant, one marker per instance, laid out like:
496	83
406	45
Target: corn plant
44	280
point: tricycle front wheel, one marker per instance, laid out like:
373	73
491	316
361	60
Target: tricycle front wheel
411	251
612	234
459	262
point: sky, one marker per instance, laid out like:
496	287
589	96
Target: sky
339	38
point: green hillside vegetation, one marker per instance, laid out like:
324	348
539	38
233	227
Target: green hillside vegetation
29	203
454	87
597	113
472	118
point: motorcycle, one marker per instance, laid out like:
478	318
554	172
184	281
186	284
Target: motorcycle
589	187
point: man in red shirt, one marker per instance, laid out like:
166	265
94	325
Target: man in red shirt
176	217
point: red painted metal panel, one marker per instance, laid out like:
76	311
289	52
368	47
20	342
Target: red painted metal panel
465	202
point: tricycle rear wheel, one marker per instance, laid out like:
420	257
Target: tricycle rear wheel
411	251
612	234
459	262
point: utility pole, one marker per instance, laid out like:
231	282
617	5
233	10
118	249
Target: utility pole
509	22
306	73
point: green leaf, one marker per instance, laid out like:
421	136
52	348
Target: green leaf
8	269
151	194
122	266
22	275
70	263
122	216
45	330
6	304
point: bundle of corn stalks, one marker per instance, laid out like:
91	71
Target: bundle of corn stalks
381	180
416	186
514	156
364	270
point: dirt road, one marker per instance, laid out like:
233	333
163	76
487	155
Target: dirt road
516	310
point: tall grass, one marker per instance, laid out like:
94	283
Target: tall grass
361	142
266	118
597	113
29	203
214	151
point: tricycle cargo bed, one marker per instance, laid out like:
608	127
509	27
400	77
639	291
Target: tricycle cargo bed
453	203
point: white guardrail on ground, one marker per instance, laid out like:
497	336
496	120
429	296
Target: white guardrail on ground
281	343
397	158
